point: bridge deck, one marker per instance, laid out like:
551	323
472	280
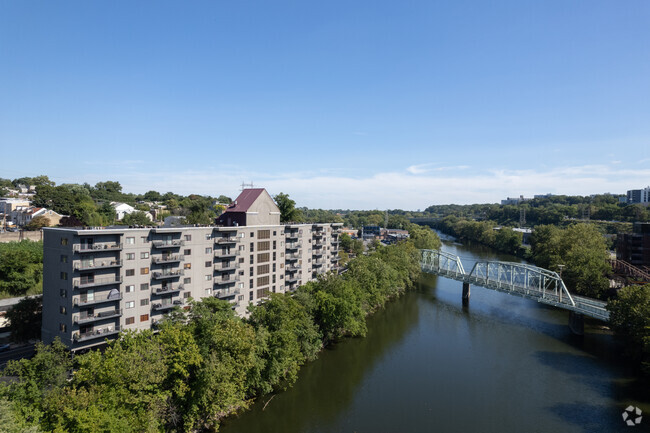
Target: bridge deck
516	279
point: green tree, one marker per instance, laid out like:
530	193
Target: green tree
630	318
136	218
25	319
37	223
288	211
152	196
21	266
423	237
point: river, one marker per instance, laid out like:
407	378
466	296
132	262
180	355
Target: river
429	364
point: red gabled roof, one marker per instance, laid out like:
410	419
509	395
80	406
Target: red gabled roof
245	200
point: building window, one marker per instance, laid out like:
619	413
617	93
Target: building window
187	252
186	295
130	288
129	272
187	266
144	286
62	327
240	298
251	271
273	267
262	269
208	278
241	260
274	245
144	239
130	256
263	257
208	250
251	259
252	234
64	241
261	293
264	246
263	281
274	233
208	291
129	304
129	320
130	241
252	247
188	237
263	234
63	293
64	275
208	264
273	279
250	283
144	255
144	271
62	309
144	302
208	237
64	259
187	280
144	317
274	256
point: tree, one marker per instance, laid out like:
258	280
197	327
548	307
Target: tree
346	242
21	266
136	218
224	199
423	237
38	222
152	196
288	211
630	318
25	319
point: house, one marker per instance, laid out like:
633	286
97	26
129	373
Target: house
122	209
25	215
253	207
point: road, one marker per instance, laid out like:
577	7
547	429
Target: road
17	353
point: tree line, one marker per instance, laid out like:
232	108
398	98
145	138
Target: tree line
205	363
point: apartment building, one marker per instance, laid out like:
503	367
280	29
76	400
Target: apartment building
100	281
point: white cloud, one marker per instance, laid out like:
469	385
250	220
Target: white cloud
389	190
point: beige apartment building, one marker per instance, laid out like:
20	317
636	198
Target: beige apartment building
100	281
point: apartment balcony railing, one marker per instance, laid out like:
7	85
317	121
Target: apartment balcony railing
291	280
228	254
93	248
172	258
316	264
96	333
293	245
90	318
83	283
174	243
226	280
83	301
97	264
167	289
161	275
226	240
291	257
317	253
318	235
226	293
292	235
293	268
335	258
226	266
159	306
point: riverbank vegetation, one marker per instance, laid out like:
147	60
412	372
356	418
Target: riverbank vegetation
203	364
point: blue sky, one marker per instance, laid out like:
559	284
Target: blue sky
364	104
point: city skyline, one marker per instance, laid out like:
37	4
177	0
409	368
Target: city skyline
364	106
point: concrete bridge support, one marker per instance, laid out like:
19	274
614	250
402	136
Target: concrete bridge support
577	323
465	293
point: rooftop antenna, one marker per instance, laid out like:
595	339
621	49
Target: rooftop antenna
246	185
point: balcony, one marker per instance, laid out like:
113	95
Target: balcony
226	293
291	257
172	258
84	301
93	248
293	268
318	235
228	254
83	283
226	240
226	266
175	243
292	235
167	305
293	245
226	280
89	318
96	333
97	264
317	254
334	258
316	264
167	289
161	275
291	280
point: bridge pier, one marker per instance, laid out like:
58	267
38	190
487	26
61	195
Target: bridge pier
465	293
577	323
